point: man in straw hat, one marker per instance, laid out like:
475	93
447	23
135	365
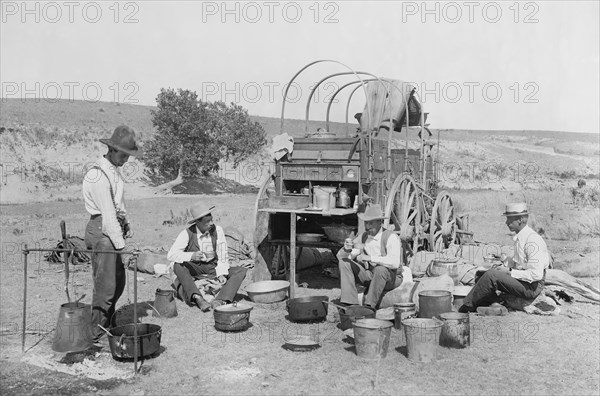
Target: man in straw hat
201	251
373	258
521	275
103	188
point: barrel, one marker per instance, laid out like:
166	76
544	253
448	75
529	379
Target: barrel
422	339
434	302
372	338
441	266
456	332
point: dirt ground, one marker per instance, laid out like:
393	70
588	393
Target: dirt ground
517	353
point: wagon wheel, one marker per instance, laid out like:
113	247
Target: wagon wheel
265	252
403	209
442	228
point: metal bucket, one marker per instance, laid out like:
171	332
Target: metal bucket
353	313
434	302
74	331
422	339
324	197
372	338
164	303
122	340
456	332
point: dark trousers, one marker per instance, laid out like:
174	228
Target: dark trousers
484	291
379	279
188	272
108	275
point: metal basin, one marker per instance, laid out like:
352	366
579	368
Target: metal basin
308	308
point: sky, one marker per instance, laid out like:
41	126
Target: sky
477	65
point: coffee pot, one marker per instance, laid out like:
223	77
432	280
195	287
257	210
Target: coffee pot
343	198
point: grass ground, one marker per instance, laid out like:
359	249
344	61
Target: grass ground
517	354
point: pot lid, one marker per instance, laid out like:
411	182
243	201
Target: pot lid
462	290
302	343
234	308
385	313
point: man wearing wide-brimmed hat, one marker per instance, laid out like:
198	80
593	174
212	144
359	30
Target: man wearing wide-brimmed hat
103	188
200	251
523	274
374	259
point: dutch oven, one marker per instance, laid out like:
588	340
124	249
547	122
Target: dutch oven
121	340
232	317
308	308
352	313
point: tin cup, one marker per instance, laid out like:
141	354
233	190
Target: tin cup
348	244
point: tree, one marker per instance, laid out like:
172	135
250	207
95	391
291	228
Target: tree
192	136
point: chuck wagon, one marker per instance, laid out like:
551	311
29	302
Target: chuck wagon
321	182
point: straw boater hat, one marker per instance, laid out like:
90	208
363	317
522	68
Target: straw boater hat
515	209
199	211
373	212
123	139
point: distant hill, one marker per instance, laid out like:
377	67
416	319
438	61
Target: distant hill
41	141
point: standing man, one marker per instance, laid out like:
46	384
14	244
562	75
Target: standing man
523	274
374	259
201	251
103	188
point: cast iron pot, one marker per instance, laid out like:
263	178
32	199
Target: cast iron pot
308	308
232	317
122	340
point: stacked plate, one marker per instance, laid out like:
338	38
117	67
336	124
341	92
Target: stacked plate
309	238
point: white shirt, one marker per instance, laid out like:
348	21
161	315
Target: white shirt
531	256
98	201
372	247
177	253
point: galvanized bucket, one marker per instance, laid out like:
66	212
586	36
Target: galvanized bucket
372	338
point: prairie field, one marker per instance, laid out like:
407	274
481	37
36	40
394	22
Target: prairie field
44	147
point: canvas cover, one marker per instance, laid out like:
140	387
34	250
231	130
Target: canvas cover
377	114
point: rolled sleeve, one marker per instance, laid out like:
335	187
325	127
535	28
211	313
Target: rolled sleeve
393	255
177	253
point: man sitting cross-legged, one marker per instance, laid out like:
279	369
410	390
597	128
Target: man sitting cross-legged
200	251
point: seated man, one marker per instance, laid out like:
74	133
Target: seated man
374	259
201	251
522	275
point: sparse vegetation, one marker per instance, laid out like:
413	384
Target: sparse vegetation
193	136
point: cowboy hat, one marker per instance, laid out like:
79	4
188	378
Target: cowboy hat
373	212
515	209
200	210
123	139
